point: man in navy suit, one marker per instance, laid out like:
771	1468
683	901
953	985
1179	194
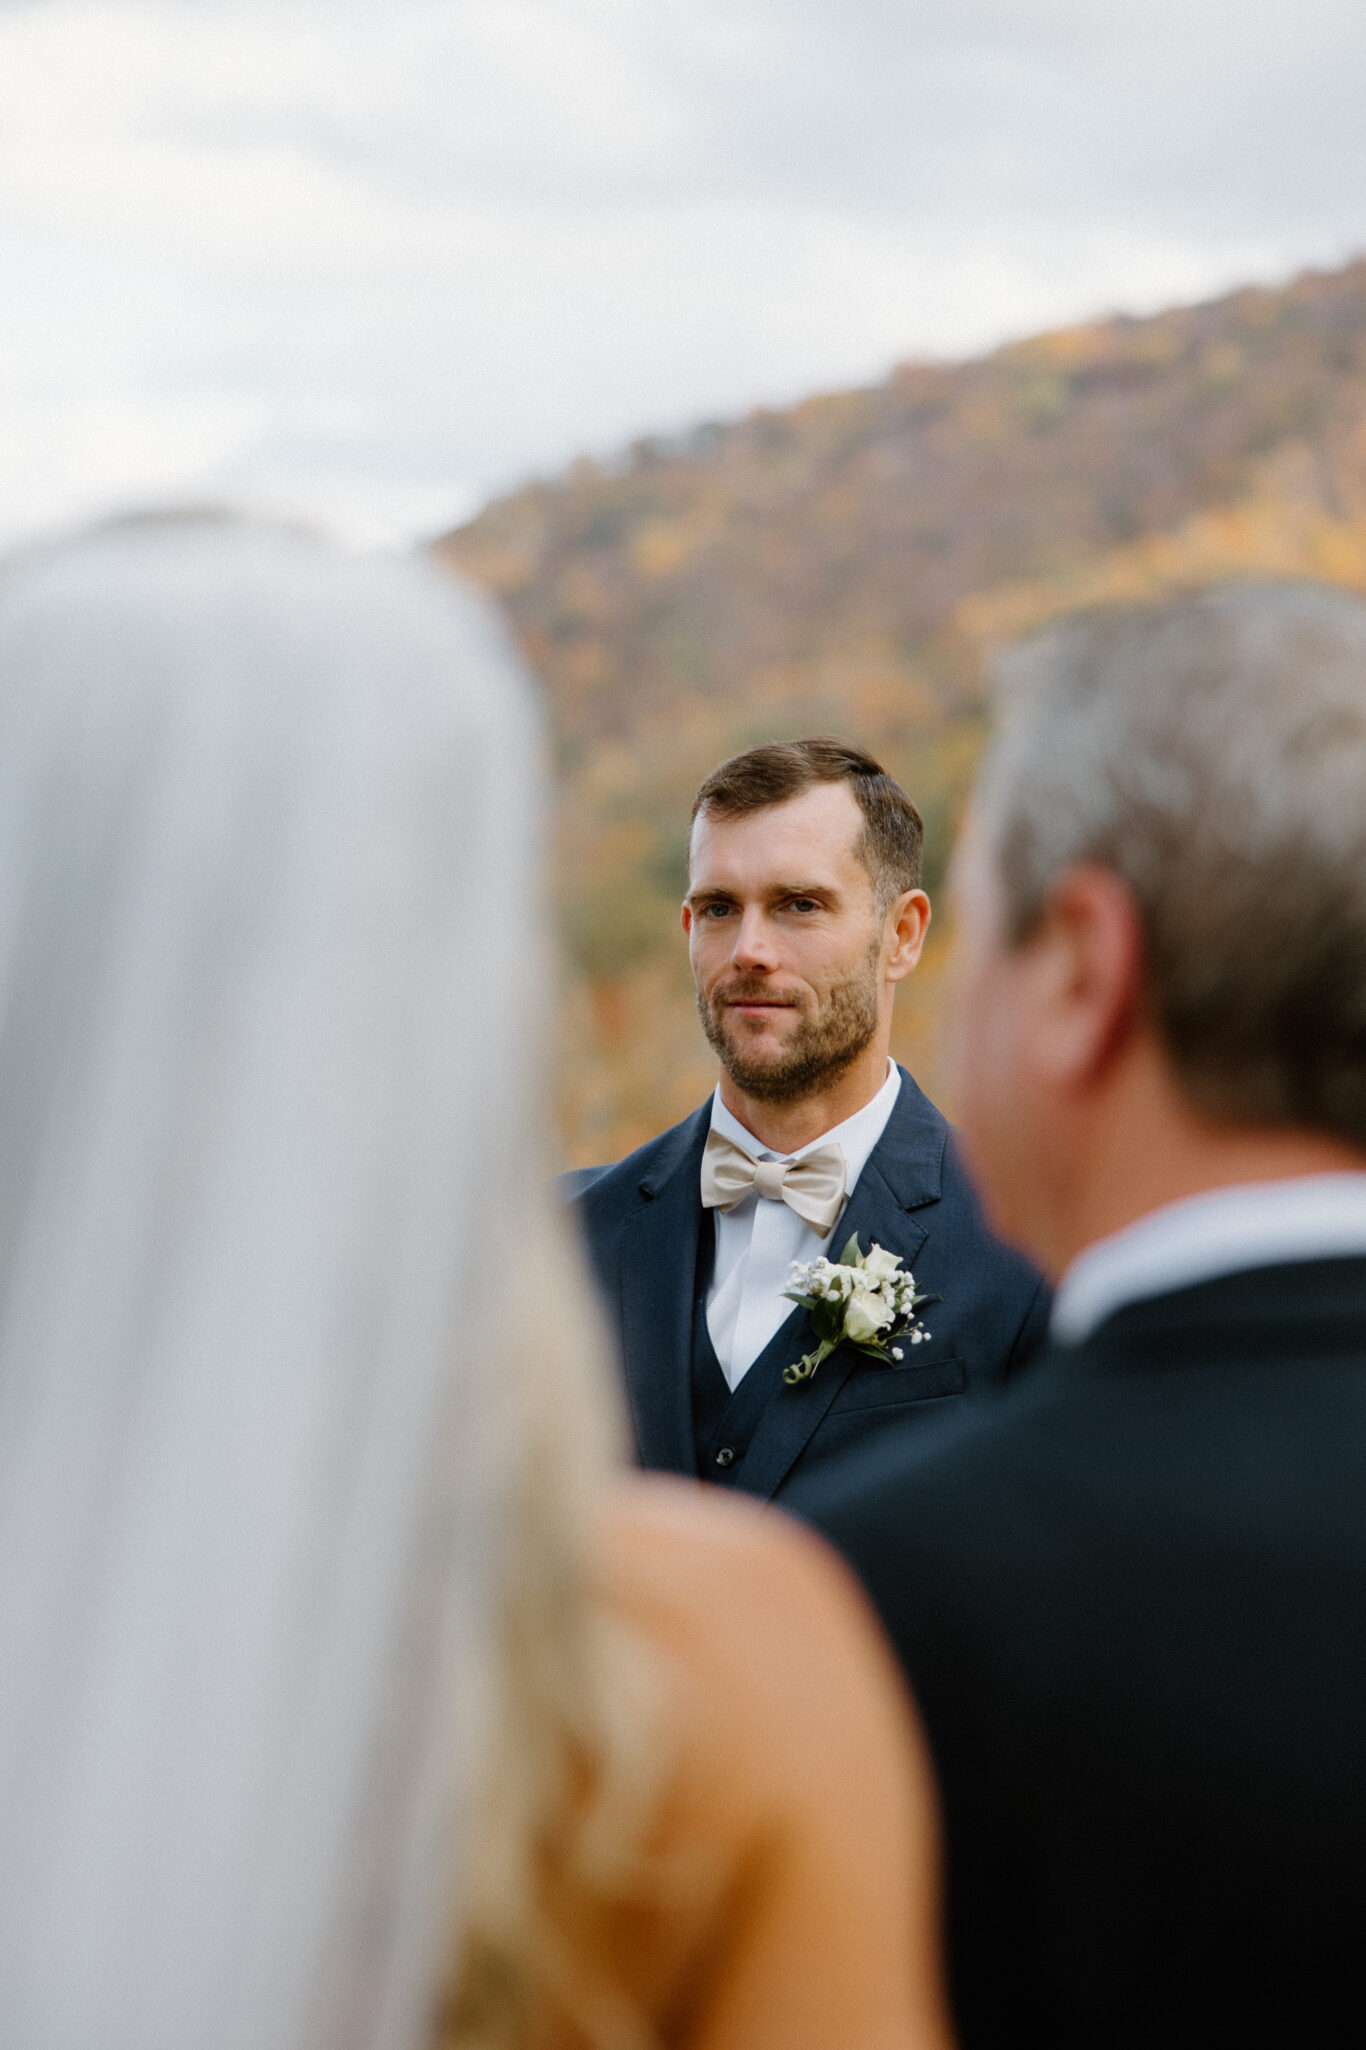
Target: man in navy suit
804	912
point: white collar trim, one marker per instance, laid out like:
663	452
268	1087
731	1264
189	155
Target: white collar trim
1221	1231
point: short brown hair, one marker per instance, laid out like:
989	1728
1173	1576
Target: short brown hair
893	832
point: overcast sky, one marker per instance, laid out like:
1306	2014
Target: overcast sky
381	258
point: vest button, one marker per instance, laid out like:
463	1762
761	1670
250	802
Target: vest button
726	1456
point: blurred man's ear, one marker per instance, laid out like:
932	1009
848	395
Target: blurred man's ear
1087	974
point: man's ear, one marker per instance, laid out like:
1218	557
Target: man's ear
1087	974
687	920
908	921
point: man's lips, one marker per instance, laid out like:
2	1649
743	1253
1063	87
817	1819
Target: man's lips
758	1006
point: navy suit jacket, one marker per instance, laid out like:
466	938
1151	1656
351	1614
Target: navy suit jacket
641	1219
1130	1596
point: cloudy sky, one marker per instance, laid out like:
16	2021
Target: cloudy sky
380	258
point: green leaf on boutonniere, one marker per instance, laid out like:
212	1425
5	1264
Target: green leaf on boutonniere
826	1319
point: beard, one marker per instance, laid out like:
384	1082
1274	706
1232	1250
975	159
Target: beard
833	1032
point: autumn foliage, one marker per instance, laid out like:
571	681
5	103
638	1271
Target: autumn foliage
848	565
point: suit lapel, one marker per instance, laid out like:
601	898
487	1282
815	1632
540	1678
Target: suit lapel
903	1173
656	1278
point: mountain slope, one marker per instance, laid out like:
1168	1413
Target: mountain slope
850	562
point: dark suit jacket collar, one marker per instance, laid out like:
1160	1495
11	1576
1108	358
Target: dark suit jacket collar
679	1152
1274	1310
657	1277
903	1174
909	1157
658	1271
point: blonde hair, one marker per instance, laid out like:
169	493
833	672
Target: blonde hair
573	1766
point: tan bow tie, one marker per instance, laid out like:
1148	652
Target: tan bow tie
812	1186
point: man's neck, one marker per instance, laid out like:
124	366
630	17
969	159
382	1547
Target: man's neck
1194	1158
788	1125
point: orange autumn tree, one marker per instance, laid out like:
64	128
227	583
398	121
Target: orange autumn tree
848	565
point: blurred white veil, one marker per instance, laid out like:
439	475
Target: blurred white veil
268	962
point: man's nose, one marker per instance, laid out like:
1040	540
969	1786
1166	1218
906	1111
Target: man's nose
753	947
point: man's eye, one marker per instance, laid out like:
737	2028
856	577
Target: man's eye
805	904
714	911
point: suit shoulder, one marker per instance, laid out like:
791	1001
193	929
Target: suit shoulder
597	1194
572	1184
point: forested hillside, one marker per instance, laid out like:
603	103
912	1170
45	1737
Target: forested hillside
848	564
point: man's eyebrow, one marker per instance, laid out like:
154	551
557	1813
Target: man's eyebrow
718	894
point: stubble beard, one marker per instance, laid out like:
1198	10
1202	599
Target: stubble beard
824	1047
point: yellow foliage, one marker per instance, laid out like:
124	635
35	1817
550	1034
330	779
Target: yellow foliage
849	565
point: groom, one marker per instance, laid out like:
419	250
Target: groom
804	912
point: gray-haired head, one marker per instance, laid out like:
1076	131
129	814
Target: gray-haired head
1210	749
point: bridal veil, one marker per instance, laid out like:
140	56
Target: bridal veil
266	992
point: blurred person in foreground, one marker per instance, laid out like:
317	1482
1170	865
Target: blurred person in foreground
347	1698
1132	1598
804	914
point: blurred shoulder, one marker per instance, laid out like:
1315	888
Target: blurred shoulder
730	1587
798	1793
665	1539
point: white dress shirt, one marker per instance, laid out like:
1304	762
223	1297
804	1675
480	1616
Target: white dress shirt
1223	1231
758	1240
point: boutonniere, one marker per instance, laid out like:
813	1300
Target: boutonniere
863	1299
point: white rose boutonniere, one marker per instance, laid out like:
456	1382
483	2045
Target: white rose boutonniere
860	1299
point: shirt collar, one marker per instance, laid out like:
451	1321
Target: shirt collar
856	1137
1222	1231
